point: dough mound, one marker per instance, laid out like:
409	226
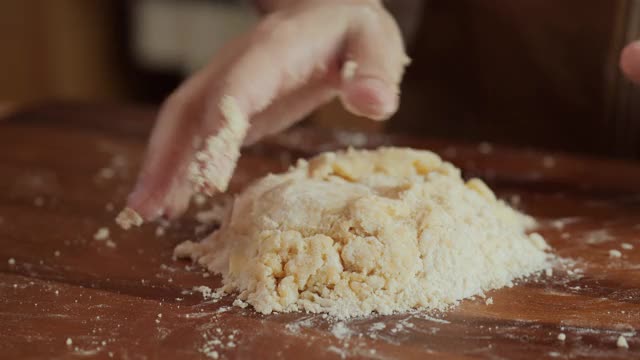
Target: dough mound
357	232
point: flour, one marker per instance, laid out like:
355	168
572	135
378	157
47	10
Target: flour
213	166
357	232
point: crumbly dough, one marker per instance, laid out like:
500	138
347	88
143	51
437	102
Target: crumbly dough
128	218
357	232
213	165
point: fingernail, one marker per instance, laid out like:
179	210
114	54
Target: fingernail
372	97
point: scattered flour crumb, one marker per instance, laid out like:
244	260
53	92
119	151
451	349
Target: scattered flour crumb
109	207
56	253
69	342
101	234
110	243
340	330
207	293
240	303
11	261
129	218
160	231
377	326
489	301
548	272
613	253
598	236
212	354
622	342
626	246
562	337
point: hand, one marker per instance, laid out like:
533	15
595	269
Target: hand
630	61
299	57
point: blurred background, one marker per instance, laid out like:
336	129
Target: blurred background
532	73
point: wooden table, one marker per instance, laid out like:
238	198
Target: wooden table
65	295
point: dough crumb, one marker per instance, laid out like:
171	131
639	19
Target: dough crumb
562	337
208	293
613	253
548	272
340	330
489	301
129	218
11	261
239	303
213	166
160	231
349	70
362	231
622	342
69	342
102	234
626	246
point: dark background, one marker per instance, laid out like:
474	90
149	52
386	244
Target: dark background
532	73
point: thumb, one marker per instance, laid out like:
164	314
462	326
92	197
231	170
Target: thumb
372	72
630	61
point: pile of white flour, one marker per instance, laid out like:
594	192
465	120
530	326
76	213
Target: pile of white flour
357	232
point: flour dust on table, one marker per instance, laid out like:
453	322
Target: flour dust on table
359	232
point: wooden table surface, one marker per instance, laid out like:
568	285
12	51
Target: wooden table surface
127	298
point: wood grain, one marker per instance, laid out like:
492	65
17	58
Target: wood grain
64	284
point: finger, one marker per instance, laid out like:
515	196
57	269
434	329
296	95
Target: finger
630	61
178	199
253	82
171	146
371	72
289	109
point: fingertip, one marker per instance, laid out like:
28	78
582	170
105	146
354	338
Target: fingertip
370	97
630	61
144	204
